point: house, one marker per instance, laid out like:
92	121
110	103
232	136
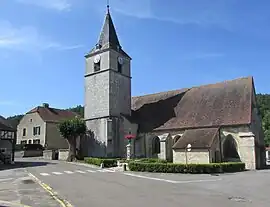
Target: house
39	126
267	154
211	123
7	141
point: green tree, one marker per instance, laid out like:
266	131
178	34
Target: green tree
71	129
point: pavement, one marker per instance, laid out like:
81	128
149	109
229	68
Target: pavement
81	185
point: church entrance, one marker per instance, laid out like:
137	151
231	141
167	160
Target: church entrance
230	152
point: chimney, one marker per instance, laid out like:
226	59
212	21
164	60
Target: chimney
45	105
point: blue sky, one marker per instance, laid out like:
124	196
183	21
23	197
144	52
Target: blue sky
174	44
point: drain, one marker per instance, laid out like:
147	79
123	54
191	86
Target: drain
238	199
28	181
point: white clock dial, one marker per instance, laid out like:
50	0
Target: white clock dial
97	59
120	60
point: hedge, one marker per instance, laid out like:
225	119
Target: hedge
98	161
183	168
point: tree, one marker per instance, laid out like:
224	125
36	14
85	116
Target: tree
71	129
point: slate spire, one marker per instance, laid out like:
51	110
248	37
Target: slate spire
108	36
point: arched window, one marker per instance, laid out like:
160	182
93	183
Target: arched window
156	145
176	138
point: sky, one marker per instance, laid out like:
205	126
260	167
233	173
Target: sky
173	44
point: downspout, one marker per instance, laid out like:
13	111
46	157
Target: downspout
220	147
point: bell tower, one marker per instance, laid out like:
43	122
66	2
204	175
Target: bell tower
107	92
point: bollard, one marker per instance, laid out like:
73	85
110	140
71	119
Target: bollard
125	167
102	165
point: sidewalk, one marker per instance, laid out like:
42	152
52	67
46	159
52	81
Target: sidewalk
18	189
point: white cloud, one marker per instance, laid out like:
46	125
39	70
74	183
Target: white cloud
59	5
27	39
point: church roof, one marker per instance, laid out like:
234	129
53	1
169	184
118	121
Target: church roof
190	136
221	104
108	33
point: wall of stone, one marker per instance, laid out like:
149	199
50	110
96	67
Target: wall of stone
245	144
63	154
192	157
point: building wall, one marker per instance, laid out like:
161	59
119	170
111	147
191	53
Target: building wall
6	147
245	144
54	140
28	122
200	156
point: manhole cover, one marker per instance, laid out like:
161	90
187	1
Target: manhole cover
28	181
238	199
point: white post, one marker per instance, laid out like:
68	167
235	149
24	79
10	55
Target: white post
128	151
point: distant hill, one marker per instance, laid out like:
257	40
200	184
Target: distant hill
263	101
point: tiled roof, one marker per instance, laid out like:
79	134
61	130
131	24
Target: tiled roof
53	115
220	104
5	125
198	138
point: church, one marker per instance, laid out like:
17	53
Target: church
211	123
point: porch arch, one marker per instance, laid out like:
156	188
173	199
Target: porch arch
230	149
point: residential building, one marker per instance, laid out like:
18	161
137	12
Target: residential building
7	141
219	121
40	126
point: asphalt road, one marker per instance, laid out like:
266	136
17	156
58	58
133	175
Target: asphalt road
85	186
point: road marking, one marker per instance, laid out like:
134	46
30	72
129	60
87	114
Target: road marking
107	170
69	172
44	174
63	203
2	203
79	171
5	179
91	171
57	173
171	181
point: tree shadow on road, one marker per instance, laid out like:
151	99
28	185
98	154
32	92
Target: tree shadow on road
24	164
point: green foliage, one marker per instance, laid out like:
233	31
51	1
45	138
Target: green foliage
151	160
263	101
98	161
78	109
72	127
190	168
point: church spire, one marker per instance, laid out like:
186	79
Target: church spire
108	36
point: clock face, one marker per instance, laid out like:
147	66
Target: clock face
120	60
97	59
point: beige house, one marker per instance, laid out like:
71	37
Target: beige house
7	141
39	126
219	122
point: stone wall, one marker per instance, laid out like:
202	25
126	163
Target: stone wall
63	154
192	157
245	143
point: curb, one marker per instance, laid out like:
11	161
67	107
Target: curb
12	204
47	188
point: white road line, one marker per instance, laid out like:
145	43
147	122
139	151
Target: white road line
91	171
79	171
57	173
5	179
171	181
69	172
44	174
107	170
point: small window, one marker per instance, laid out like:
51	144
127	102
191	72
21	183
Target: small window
24	132
30	141
119	68
97	66
36	130
36	141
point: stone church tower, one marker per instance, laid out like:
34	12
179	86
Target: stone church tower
107	92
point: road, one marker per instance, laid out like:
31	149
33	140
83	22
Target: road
84	186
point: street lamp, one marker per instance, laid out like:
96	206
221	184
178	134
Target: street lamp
129	136
188	149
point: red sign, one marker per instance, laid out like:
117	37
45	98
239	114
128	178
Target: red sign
130	136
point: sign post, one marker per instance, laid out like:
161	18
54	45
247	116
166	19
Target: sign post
188	149
129	137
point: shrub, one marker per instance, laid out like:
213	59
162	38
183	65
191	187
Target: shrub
151	160
98	161
190	168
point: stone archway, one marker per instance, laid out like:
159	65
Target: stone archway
155	145
230	149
